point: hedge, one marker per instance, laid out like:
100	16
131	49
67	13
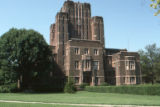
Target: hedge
134	89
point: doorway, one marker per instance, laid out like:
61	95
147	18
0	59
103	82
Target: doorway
87	77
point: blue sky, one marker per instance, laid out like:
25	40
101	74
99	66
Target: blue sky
128	24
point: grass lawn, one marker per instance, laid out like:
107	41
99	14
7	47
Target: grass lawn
84	98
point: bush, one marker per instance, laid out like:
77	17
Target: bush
135	89
8	88
70	87
4	89
104	84
83	85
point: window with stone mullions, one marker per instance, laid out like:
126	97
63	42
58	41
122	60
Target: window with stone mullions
95	51
76	51
87	64
130	65
86	51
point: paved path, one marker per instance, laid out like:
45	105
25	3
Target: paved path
67	104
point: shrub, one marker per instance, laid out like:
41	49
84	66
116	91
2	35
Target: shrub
4	89
8	88
135	89
104	84
83	85
70	87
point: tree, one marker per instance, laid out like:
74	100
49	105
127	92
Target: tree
150	61
24	56
156	5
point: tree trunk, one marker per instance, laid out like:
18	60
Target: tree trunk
152	78
19	82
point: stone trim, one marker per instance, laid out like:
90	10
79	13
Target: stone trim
84	47
125	60
127	76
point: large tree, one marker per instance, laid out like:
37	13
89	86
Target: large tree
150	63
24	57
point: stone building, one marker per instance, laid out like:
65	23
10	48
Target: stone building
122	67
77	42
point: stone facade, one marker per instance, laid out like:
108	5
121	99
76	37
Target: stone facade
77	42
123	68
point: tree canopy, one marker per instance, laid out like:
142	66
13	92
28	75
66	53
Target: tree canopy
150	63
24	55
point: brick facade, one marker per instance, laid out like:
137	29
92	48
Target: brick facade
77	42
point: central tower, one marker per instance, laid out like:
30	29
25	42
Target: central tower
77	41
80	16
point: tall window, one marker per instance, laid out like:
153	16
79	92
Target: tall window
77	51
130	65
96	65
76	64
96	52
86	51
99	31
87	64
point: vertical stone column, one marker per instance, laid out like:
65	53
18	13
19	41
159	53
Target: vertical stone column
52	35
62	36
93	77
81	73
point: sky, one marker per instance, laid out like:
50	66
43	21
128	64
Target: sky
128	24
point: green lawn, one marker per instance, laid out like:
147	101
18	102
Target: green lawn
85	98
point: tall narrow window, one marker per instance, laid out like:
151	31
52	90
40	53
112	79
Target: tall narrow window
77	51
99	31
96	52
87	64
76	64
127	65
132	65
86	51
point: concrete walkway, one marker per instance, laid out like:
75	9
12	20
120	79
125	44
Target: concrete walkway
68	104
